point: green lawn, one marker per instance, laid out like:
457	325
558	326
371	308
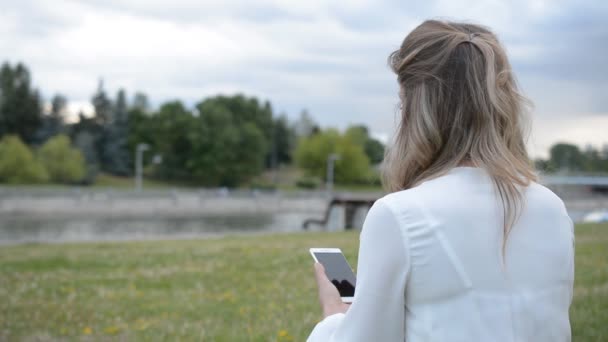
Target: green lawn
231	289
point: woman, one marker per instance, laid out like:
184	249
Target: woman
466	247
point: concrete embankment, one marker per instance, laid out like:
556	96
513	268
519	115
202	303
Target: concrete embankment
101	203
92	203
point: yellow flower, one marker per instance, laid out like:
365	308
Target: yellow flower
284	336
112	329
87	331
140	324
227	296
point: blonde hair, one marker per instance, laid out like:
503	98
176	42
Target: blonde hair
460	104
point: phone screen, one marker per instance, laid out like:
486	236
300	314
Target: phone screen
339	272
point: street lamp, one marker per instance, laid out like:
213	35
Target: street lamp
331	160
139	154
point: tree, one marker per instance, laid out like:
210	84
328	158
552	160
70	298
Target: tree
224	141
592	160
63	163
59	105
84	141
249	110
87	134
53	122
569	158
566	157
116	157
228	148
170	133
358	134
305	126
284	140
102	104
140	102
373	148
20	105
311	154
17	163
142	128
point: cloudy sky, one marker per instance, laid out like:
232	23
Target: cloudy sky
326	56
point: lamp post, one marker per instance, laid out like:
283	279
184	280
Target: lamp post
331	160
139	154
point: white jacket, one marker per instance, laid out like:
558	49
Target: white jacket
430	267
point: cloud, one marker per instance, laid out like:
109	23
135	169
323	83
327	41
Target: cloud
581	128
321	55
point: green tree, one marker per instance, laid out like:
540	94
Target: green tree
102	104
224	140
305	126
170	134
311	154
357	134
373	148
63	163
566	157
87	135
141	129
116	157
140	101
228	148
84	141
20	105
17	163
283	143
250	110
247	109
593	160
53	122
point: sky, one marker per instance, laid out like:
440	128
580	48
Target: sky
328	57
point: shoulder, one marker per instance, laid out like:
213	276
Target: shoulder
411	201
380	211
439	187
541	196
405	208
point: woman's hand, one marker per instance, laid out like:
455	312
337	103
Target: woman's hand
329	297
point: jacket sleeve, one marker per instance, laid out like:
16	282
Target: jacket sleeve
378	309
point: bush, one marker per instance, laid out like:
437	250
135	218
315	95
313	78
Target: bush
352	166
63	163
17	163
308	183
264	186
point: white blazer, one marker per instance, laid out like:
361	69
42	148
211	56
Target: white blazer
431	267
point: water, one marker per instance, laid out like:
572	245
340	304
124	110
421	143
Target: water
27	230
21	229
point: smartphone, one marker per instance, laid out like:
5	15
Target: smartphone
337	270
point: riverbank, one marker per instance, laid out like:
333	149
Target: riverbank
46	203
253	288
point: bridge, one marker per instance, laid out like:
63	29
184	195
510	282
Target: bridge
592	181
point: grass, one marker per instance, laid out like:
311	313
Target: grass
254	288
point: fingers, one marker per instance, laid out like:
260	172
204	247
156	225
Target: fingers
320	273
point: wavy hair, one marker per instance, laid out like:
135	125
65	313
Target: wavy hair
459	104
